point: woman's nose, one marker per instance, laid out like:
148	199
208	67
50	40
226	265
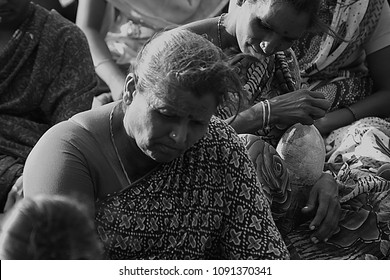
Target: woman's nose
179	134
269	47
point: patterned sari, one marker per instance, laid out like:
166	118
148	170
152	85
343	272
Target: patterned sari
46	76
206	204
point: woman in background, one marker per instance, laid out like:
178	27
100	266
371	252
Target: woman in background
116	31
46	76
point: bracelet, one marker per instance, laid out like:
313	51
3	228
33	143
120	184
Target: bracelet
102	62
352	112
263	109
266	113
269	113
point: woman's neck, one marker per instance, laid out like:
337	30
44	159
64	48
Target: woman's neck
228	31
135	163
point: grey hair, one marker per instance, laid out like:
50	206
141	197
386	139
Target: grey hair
184	59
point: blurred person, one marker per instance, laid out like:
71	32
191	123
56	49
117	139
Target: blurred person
49	228
117	29
46	76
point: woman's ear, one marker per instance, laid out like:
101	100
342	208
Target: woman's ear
129	83
127	97
129	89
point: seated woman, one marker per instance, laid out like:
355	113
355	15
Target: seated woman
49	228
46	76
257	35
353	74
165	178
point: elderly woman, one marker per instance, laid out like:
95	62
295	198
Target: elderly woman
165	178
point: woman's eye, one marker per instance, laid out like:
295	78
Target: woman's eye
199	123
166	114
263	26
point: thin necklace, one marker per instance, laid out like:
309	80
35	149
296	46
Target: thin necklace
219	24
115	147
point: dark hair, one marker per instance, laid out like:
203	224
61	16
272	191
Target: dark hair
49	227
184	59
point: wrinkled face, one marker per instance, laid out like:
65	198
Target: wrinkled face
269	26
12	10
165	126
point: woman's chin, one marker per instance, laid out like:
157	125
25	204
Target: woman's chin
164	155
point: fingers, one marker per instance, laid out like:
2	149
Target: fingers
326	221
322	104
316	94
311	203
317	113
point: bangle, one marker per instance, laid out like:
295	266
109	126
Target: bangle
263	112
269	113
352	112
102	62
266	107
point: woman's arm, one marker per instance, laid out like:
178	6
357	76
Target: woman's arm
301	106
90	15
375	105
56	166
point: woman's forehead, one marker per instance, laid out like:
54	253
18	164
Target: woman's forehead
182	100
283	18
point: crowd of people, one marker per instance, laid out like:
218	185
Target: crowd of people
166	121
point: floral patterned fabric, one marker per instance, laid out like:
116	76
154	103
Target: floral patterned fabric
206	204
364	227
46	76
273	174
357	152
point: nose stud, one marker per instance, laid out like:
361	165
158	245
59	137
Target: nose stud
263	46
173	134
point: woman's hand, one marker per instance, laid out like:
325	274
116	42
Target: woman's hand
300	106
324	201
